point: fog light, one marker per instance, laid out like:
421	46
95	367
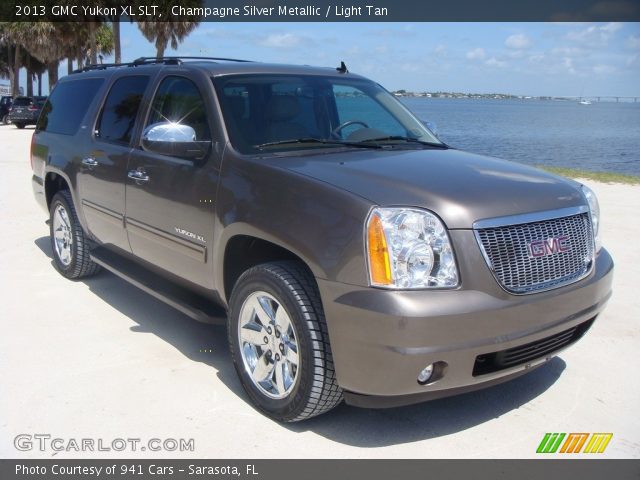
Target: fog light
425	374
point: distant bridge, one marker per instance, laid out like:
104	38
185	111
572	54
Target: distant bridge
599	98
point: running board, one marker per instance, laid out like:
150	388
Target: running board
187	302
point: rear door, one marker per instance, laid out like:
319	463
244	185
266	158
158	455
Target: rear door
170	200
104	164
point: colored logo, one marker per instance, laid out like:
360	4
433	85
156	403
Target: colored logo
550	246
574	443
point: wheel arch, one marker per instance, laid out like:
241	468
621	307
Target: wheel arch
53	183
244	250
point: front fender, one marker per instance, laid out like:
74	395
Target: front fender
319	223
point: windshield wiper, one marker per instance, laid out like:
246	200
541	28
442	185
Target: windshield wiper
316	140
404	139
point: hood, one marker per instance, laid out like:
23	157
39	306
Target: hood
458	186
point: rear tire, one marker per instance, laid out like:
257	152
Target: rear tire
19	125
68	241
279	342
5	120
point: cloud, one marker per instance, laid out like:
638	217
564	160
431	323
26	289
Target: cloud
518	41
537	58
594	35
567	51
476	54
633	60
440	50
633	42
602	69
568	64
494	62
283	40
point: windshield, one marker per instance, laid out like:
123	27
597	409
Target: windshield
272	113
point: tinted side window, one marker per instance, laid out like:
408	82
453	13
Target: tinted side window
118	115
178	100
23	102
67	105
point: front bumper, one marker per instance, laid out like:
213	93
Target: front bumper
382	339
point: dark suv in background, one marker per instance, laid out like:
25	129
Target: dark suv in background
351	254
5	105
25	111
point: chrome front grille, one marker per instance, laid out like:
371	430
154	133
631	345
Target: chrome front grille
510	252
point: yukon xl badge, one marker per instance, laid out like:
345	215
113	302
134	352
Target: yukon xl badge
186	233
550	246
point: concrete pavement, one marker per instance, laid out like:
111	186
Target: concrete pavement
100	359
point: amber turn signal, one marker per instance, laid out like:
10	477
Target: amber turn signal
379	263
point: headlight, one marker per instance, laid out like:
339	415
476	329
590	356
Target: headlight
409	248
594	208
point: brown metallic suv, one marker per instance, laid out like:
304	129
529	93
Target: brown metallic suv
351	253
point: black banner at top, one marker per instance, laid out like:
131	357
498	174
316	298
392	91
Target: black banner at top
324	10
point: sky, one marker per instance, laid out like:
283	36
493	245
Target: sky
539	59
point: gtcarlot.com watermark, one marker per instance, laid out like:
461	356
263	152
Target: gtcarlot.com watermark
44	442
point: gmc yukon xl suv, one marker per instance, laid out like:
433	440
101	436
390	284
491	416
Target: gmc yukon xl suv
351	253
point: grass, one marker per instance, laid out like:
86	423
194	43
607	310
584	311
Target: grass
604	177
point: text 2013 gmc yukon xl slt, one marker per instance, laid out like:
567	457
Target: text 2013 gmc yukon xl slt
353	255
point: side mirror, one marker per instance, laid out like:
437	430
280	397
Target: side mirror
432	127
175	140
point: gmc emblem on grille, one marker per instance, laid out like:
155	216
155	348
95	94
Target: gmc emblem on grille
542	248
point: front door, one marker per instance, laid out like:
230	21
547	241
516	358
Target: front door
170	200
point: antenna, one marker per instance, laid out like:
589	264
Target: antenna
342	68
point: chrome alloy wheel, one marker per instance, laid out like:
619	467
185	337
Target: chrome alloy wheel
63	237
269	345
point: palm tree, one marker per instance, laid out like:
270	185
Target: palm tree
14	35
6	68
115	24
173	31
41	39
34	68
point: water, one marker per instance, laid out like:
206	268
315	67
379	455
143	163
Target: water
602	137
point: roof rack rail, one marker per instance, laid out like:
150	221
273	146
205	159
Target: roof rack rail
135	63
151	61
180	58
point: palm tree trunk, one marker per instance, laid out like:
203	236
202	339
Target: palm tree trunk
116	40
10	61
39	84
80	59
29	83
160	48
29	76
16	72
92	43
69	66
52	70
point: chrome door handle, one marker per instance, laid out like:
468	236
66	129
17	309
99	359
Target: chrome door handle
138	175
90	162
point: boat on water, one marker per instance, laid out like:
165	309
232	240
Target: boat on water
585	102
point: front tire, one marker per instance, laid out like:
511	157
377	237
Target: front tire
279	342
68	241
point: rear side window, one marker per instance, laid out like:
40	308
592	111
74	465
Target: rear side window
118	115
23	102
67	105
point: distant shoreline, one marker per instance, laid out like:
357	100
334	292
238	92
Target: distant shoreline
603	177
508	96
